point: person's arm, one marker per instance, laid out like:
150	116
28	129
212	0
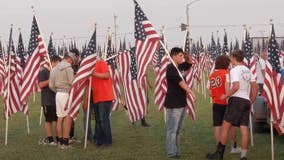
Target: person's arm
234	89
70	75
185	87
43	84
101	70
51	81
253	91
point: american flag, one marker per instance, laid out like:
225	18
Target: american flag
135	95
189	79
82	78
273	87
37	58
21	50
225	49
160	63
249	59
51	49
2	69
147	41
114	74
12	82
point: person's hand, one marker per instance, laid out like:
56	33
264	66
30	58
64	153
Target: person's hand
190	93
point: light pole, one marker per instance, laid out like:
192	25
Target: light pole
187	11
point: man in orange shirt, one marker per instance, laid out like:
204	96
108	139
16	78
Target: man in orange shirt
102	98
219	84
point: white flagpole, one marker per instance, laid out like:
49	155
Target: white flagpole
8	97
40	117
271	136
88	112
28	124
251	133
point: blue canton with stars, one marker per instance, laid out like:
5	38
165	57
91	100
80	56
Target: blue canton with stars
273	57
21	50
140	33
33	42
91	46
133	65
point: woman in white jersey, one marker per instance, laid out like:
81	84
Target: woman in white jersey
241	95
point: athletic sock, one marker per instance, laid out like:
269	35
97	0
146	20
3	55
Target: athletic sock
244	153
57	139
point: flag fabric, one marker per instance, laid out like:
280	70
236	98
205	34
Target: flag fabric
51	49
250	59
147	42
114	74
21	51
160	63
273	87
12	86
2	69
82	78
37	58
135	95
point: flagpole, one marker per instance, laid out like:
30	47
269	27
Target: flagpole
271	116
28	124
8	94
40	117
88	112
165	111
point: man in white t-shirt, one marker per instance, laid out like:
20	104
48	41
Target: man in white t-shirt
260	70
241	95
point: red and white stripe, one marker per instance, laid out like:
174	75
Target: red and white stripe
273	92
79	85
145	50
161	83
135	95
31	72
114	74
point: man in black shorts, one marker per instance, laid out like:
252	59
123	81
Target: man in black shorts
241	95
48	102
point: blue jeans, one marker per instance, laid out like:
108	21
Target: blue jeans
102	128
89	134
174	121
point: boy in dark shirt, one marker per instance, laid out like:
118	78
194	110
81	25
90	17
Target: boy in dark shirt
48	101
175	101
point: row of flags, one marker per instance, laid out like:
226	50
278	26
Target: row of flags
128	69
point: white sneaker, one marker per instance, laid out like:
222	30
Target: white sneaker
74	140
236	150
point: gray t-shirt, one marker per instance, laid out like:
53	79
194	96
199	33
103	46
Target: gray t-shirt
47	95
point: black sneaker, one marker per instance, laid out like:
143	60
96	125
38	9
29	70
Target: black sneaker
243	158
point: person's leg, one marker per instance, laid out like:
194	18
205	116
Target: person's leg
59	129
104	111
172	120
182	110
217	134
244	140
97	133
72	130
66	129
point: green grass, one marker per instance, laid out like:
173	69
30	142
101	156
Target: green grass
129	141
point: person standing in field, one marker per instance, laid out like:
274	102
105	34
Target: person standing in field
175	101
242	94
48	102
219	84
61	78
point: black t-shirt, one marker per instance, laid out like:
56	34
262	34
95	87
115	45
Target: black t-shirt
47	95
176	96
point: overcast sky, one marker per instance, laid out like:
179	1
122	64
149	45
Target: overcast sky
76	18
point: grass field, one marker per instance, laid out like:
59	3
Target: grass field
129	141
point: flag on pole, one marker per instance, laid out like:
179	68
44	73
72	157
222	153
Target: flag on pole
135	95
147	42
12	82
273	90
82	78
114	74
37	58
